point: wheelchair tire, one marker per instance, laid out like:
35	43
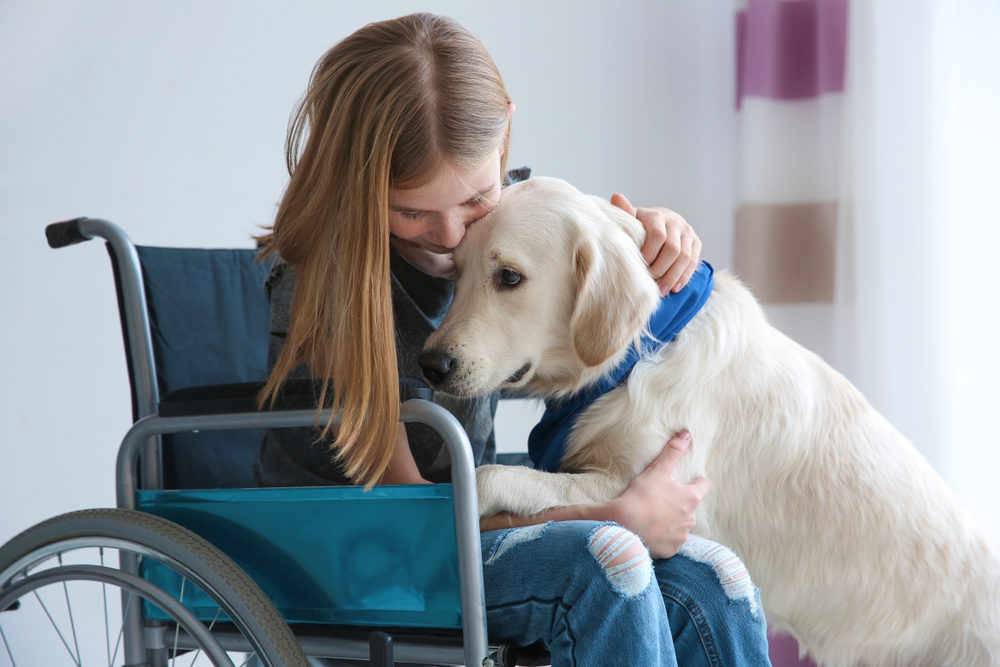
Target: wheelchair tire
46	555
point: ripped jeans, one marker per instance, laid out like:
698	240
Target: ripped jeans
590	593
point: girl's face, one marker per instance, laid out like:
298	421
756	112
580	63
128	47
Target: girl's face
429	221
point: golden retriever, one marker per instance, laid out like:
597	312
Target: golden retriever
861	551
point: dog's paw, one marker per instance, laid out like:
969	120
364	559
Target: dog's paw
503	488
490	489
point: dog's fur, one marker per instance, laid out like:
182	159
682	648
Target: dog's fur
860	550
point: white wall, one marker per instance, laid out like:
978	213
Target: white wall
169	119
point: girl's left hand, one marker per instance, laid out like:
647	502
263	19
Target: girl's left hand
672	249
658	508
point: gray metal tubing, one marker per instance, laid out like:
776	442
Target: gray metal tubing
143	367
134	304
345	649
463	481
139	338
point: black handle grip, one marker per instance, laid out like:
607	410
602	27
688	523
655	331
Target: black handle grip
62	234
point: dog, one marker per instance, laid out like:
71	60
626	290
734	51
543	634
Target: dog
860	550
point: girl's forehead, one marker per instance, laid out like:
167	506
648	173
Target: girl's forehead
450	186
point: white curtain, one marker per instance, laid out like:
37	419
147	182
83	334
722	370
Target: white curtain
790	95
791	204
868	217
917	315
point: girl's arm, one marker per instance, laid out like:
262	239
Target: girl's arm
672	248
402	468
655	506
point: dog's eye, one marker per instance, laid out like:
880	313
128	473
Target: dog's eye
508	278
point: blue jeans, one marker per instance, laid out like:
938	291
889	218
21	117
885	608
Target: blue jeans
591	594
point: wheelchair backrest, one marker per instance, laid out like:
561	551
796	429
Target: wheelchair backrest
208	314
209	319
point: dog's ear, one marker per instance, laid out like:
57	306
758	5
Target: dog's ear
615	295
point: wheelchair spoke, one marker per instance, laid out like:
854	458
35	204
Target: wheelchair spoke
121	631
218	612
55	626
69	610
210	626
177	627
72	622
7	646
107	627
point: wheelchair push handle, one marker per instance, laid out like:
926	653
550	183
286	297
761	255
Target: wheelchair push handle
68	232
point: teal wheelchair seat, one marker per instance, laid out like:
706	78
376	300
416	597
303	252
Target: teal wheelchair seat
334	555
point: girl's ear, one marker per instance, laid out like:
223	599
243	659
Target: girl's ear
510	114
615	295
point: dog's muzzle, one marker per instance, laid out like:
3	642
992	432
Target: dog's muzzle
437	366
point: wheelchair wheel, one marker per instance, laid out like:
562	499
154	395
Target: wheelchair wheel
79	585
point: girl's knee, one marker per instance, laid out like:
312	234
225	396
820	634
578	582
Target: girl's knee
623	559
721	568
619	554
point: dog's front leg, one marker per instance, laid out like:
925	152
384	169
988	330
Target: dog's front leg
526	491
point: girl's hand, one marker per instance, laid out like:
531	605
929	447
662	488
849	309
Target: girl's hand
658	508
654	506
672	249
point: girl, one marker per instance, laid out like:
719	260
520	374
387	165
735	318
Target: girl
399	144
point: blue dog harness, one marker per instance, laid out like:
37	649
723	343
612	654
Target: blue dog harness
548	439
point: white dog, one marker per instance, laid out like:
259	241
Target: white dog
860	550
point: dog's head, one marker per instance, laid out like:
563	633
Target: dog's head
551	292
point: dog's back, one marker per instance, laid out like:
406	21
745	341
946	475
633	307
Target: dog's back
859	547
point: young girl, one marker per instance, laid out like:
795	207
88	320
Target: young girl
399	144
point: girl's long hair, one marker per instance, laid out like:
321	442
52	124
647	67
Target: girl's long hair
386	107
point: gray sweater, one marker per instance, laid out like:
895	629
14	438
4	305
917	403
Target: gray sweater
295	457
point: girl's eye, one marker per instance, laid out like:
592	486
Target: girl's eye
481	202
508	278
410	215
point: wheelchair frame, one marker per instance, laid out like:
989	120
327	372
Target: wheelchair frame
139	466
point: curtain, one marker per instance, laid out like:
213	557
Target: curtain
789	93
867	219
790	76
918	333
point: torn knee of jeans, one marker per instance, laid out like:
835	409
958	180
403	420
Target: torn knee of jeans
623	558
512	538
730	570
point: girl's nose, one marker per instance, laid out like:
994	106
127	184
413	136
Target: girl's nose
453	228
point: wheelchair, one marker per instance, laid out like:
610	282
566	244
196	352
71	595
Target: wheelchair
195	566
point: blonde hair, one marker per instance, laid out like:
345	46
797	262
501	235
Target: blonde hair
385	107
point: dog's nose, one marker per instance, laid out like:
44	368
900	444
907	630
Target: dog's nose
436	365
